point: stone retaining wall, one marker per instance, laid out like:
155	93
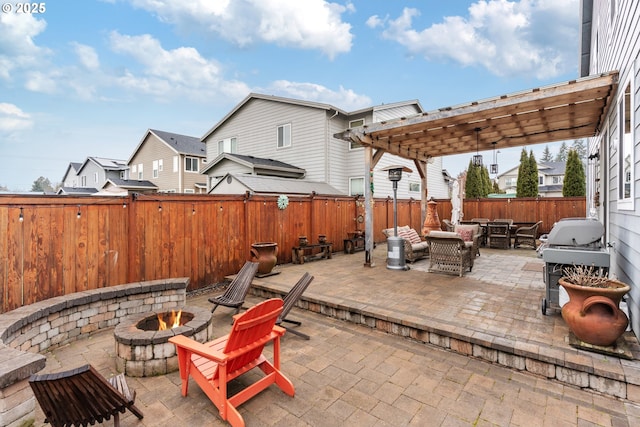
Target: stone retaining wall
28	331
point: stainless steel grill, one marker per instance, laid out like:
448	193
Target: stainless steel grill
571	242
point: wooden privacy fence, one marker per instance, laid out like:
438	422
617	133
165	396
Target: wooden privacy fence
55	245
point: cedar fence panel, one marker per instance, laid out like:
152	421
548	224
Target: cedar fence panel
67	244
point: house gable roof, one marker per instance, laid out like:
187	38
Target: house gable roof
256	163
304	103
105	164
275	185
180	144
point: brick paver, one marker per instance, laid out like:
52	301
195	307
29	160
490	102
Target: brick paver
349	374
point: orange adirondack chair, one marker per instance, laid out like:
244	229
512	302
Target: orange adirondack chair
212	365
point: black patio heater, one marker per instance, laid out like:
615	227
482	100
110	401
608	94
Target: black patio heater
395	244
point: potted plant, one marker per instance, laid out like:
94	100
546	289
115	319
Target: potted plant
593	312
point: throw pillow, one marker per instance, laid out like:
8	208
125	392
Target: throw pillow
411	235
465	232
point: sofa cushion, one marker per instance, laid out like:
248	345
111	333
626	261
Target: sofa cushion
410	234
420	247
467	232
436	233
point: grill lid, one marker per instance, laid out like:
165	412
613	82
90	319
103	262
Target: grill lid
576	232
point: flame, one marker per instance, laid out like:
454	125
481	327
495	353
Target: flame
174	320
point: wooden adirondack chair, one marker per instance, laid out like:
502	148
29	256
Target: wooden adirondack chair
82	396
237	290
290	300
212	365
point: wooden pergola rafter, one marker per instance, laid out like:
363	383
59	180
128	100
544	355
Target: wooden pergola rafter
564	111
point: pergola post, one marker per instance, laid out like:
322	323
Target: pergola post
368	210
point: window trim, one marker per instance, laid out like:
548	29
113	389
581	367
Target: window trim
194	161
351	180
625	203
283	146
352	124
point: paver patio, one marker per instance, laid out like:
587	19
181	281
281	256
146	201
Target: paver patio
352	374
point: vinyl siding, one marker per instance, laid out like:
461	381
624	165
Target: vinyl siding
155	149
255	127
313	148
615	45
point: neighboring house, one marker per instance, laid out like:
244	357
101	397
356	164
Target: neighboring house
172	162
610	34
70	178
90	176
269	185
550	179
300	134
122	187
240	164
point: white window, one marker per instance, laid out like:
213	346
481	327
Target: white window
540	180
191	164
189	190
511	181
176	162
95	177
354	124
140	175
83	181
228	145
556	180
625	149
160	165
414	187
155	168
356	186
284	135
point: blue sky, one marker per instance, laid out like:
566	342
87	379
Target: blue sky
89	78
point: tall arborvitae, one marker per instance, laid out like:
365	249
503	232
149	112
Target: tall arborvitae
532	181
574	179
523	172
473	185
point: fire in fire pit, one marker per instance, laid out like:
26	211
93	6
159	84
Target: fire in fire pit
163	321
142	340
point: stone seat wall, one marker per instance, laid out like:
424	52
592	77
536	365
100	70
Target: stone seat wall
28	331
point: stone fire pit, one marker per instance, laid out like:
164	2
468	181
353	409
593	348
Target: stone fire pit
142	350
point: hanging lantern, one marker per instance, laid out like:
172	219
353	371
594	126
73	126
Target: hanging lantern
477	159
494	165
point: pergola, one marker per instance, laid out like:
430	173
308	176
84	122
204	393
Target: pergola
563	111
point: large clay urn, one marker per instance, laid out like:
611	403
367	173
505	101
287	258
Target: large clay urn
266	254
593	313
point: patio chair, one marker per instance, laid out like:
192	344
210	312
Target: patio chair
237	290
82	396
526	236
290	300
449	253
214	364
447	225
498	235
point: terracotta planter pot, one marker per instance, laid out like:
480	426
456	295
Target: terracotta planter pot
593	314
266	254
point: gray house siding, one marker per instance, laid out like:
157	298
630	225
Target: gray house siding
615	45
313	147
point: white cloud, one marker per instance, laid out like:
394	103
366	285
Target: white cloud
345	99
13	119
17	48
308	24
527	37
87	56
374	22
169	73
